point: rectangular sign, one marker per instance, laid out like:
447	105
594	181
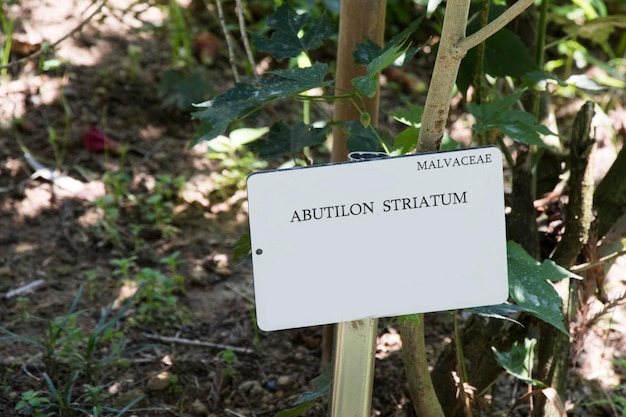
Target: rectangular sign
379	238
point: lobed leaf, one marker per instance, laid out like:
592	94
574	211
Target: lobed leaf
406	141
368	84
410	116
181	90
367	51
288	140
519	361
361	138
244	98
293	33
519	125
530	288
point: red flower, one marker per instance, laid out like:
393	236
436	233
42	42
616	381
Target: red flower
95	140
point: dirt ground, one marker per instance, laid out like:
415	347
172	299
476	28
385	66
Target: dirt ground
215	362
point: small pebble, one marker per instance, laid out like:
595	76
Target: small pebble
251	388
199	409
283	380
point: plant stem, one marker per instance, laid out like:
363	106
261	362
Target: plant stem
554	350
462	369
479	77
244	37
8	25
425	401
452	48
539	51
229	41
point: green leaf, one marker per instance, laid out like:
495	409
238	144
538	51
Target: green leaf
519	361
449	144
519	125
499	311
288	140
597	30
225	108
377	58
367	84
181	90
410	116
406	141
494	109
321	383
367	51
293	33
297	411
584	82
505	54
243	99
245	135
361	138
243	247
409	319
402	37
529	286
555	273
291	82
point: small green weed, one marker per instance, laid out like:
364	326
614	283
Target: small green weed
67	350
8	25
236	162
32	403
157	296
157	208
229	358
153	209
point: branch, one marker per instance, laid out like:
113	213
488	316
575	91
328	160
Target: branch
229	41
579	213
452	48
244	37
445	71
605	259
25	289
425	401
190	342
554	350
487	31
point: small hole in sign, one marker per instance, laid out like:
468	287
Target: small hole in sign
259	251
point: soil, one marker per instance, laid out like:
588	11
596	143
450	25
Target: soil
211	360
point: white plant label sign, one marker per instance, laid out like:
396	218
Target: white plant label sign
379	238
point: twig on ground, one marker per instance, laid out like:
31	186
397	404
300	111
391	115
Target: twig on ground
190	342
229	411
25	289
239	293
245	399
27	372
22	361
